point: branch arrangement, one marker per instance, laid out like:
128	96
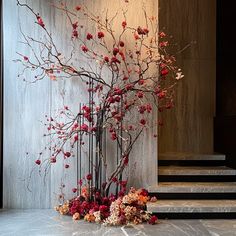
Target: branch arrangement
126	80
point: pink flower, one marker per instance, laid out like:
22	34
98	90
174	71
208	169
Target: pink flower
84	48
26	58
100	35
38	162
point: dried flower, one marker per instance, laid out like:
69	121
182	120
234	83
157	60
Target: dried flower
76	216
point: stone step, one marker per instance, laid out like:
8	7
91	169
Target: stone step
192	206
177	156
196	170
193	187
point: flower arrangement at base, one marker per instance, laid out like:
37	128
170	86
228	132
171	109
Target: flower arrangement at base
111	211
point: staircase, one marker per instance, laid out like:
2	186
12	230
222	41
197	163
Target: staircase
194	186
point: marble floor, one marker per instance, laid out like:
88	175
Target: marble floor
49	223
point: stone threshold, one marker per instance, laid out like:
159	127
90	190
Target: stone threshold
196	170
192	206
193	187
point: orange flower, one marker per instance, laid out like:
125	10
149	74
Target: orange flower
89	217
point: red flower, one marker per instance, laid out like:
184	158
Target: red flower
125	78
86	109
142	109
74	190
89	36
106	59
103	208
84	127
75	34
38	162
162	34
114	179
40	21
136	37
75	25
122	44
140	94
100	35
144	192
141	81
67	166
53	160
84	48
126	160
153	220
77	8
124	24
113	136
115	51
143	31
115	60
142	121
26	58
163	44
148	108
89	177
129	86
164	71
67	154
76	137
161	94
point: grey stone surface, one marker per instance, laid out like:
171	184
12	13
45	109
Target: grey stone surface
188	206
191	156
196	170
193	187
49	223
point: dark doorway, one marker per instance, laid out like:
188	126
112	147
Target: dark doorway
225	120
